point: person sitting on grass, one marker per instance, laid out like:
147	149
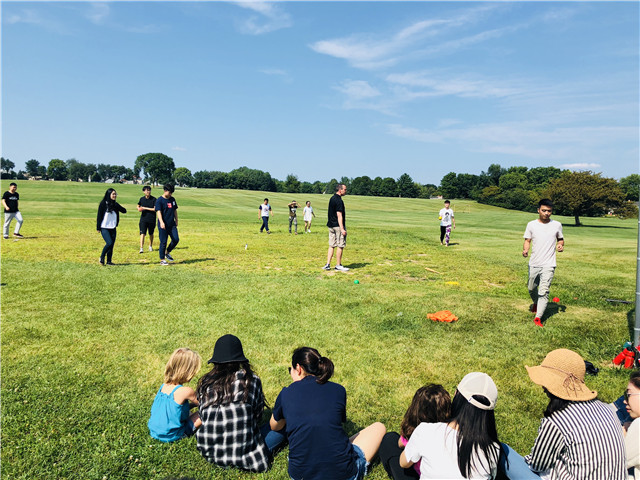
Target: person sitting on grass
465	446
231	407
632	430
312	410
170	413
579	436
430	404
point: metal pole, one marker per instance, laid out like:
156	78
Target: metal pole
636	330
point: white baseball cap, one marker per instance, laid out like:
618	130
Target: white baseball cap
477	383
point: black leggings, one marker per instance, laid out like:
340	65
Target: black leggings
390	458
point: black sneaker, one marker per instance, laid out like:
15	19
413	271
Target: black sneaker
110	263
327	267
17	235
168	257
101	261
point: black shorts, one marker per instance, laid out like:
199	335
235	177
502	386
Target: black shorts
147	226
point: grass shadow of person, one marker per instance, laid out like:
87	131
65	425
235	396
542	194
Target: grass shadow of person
357	265
631	321
196	260
552	309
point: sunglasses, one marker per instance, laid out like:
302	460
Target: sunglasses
627	395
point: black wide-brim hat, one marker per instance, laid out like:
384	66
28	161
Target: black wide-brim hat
228	349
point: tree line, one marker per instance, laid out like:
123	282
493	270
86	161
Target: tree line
519	188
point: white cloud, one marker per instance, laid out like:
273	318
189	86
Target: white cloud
270	18
581	166
358	89
98	13
179	149
31	17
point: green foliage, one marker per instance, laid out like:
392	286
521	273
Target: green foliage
6	165
584	194
183	176
631	186
32	167
84	346
448	186
406	187
292	184
158	167
57	169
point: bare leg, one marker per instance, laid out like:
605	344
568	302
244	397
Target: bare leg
329	255
151	239
142	240
369	439
195	418
339	256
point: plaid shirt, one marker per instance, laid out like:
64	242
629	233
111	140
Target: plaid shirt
229	435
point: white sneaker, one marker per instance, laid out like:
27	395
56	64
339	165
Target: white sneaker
340	268
150	248
164	262
327	267
141	250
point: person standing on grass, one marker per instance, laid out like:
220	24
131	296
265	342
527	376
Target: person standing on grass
146	205
308	216
293	217
10	203
264	212
546	236
447	220
107	221
337	228
167	214
312	410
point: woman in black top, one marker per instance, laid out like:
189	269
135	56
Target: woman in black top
107	221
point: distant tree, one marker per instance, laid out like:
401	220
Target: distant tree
206	179
376	186
448	187
57	169
292	184
346	181
105	171
427	191
6	165
90	171
32	167
306	187
494	172
406	187
388	188
119	172
513	180
584	194
76	170
158	167
318	186
465	184
631	186
628	209
22	175
183	177
540	177
361	186
96	177
330	187
42	171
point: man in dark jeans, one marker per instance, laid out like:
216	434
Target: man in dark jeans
167	214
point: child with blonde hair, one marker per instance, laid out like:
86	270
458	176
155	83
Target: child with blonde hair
170	413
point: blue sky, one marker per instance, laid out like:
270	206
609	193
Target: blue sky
324	89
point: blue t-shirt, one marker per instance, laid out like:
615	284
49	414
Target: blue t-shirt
167	208
168	420
319	448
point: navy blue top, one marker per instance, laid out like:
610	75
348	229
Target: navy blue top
167	209
319	448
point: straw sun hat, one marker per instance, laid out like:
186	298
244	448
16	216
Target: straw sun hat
562	374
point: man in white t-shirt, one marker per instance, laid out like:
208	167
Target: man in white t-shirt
264	211
308	216
447	220
546	236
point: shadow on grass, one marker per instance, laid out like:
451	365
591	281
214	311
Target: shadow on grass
582	225
631	321
195	260
552	309
357	265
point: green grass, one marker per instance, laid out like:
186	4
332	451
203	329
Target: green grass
84	346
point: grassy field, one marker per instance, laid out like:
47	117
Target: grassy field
84	346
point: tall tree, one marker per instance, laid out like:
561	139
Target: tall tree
292	184
631	186
448	187
32	167
7	165
406	187
158	167
361	186
76	170
388	188
183	176
57	169
584	194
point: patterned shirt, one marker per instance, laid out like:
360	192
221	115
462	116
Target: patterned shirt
582	441
229	435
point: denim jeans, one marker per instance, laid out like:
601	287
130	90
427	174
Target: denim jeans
164	235
109	235
274	440
517	469
265	224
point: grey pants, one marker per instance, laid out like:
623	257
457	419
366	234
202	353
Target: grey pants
293	220
8	216
539	283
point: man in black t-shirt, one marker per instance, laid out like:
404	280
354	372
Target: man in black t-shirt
146	205
10	203
337	228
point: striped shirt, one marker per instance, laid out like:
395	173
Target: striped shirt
583	441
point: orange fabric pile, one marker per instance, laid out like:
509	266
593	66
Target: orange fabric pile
442	316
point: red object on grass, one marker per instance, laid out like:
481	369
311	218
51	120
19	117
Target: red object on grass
556	299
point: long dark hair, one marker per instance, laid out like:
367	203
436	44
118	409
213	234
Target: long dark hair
216	386
107	199
556	404
477	433
430	404
313	363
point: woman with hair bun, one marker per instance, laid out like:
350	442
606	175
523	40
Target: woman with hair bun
312	410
